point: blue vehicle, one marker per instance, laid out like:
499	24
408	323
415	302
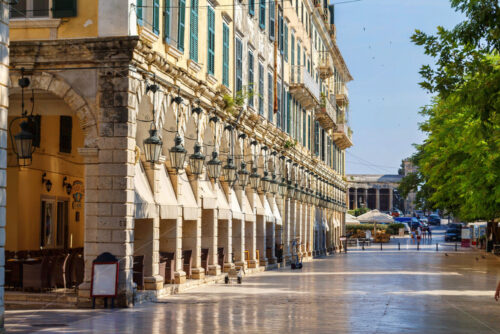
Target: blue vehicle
412	221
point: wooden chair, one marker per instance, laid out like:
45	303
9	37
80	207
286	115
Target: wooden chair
138	271
205	256
167	266
58	271
220	256
187	261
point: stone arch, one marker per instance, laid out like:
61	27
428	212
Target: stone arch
60	88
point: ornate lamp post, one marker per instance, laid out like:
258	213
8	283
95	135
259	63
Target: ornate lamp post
214	166
197	159
229	170
177	152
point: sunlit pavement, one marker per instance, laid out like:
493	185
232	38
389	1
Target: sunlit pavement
386	291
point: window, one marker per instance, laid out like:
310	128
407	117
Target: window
316	138
298	53
239	65
323	147
65	134
211	40
148	14
181	25
54	224
156	16
251	7
304	128
251	78
278	114
261	89
262	14
166	14
271	21
288	113
43	8
285	41
280	32
225	55
309	132
292	49
193	40
270	97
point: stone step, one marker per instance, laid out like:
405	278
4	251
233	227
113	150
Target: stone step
59	298
37	305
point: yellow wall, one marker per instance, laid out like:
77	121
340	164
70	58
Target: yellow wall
81	26
25	189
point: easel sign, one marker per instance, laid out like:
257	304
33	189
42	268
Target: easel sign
104	282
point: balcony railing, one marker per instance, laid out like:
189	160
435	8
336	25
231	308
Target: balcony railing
303	87
326	113
341	93
325	67
343	136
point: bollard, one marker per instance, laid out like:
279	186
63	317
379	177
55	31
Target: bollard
437	246
380	246
399	245
363	245
456	246
418	245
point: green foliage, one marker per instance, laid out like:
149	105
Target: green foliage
393	229
360	211
290	144
233	105
459	162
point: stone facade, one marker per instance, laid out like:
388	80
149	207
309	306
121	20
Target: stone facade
4	105
374	192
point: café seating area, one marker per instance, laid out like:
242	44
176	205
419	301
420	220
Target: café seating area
44	269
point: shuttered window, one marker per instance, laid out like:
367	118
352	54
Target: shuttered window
316	138
166	14
65	134
262	14
211	40
193	27
261	89
182	24
156	16
271	21
251	7
288	114
280	32
304	128
239	65
225	55
292	49
285	41
278	114
270	97
67	8
251	78
309	132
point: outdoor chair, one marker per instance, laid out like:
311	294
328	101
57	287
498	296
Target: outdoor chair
187	261
57	272
167	261
220	256
77	268
138	271
204	259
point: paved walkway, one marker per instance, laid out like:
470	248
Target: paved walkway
359	292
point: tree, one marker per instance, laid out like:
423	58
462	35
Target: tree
459	162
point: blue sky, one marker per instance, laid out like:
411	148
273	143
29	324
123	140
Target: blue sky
374	38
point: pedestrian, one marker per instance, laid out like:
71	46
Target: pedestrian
430	233
413	236
497	293
419	235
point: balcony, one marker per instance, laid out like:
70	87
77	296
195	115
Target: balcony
341	94
326	113
343	136
303	87
325	68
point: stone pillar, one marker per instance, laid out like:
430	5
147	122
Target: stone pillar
197	271
299	219
377	198
261	239
366	197
179	273
209	240
391	193
4	105
355	198
287	221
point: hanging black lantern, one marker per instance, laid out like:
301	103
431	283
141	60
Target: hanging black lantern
152	146
265	182
214	166
229	171
196	160
282	187
243	175
274	184
290	190
177	153
297	194
254	179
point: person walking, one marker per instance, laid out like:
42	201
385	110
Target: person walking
497	293
429	231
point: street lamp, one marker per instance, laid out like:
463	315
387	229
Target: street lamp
243	175
214	166
229	171
197	159
177	152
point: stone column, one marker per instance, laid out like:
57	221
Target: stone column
197	271
366	197
287	227
377	198
355	198
4	105
391	193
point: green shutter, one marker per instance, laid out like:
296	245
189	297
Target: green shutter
239	66
211	40
166	29
193	24
285	43
251	7
261	89
250	77
68	8
182	24
156	16
292	49
262	14
225	55
271	20
270	97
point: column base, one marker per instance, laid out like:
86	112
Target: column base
253	263
240	264
214	270
198	273
228	266
263	262
272	260
84	290
153	282
180	277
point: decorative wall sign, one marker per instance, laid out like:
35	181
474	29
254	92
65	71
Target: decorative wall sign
78	191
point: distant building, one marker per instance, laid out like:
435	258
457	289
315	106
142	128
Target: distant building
374	191
407	168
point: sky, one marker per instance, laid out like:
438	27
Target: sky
385	98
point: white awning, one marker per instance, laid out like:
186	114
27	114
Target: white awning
187	199
224	211
276	212
246	207
209	197
165	196
325	225
235	207
145	206
269	212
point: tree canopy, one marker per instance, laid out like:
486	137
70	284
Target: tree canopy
459	162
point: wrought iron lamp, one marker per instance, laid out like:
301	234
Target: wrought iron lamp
177	152
197	159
